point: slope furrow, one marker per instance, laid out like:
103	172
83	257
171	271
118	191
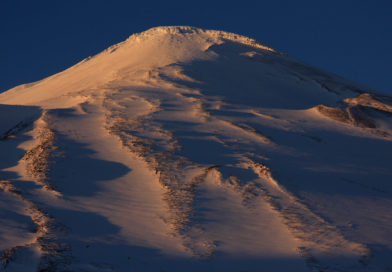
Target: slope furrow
37	159
149	141
55	253
323	245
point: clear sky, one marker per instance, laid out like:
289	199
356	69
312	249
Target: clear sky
350	38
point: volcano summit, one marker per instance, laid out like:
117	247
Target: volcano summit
182	149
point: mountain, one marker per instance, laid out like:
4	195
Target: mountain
182	149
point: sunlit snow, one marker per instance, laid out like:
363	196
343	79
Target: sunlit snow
182	149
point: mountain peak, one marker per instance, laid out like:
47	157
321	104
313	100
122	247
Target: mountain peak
143	52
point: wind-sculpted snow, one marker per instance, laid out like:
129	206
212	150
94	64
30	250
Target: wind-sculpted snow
183	149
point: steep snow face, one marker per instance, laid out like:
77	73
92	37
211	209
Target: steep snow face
198	150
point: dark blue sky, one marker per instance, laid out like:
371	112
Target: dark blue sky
349	38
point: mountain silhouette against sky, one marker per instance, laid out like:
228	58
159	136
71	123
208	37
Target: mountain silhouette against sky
183	149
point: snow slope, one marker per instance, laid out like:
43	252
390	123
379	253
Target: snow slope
182	149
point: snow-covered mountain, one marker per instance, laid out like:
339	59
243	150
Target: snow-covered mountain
182	149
